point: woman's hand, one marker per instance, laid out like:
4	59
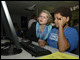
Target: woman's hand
42	43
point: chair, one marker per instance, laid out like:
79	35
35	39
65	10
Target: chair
76	51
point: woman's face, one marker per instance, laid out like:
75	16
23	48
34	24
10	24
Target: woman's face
57	19
43	19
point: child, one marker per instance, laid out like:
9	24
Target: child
63	37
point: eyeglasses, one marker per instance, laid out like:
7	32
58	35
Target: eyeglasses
43	17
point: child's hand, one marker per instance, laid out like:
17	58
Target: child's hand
63	21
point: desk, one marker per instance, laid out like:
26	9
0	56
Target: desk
25	55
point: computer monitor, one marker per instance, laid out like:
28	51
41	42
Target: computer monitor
14	45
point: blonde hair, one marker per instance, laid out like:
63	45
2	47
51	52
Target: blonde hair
49	16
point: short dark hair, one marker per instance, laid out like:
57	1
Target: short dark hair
75	22
64	11
33	16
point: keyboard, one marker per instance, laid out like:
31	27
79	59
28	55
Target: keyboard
34	50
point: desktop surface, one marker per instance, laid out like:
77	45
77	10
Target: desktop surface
26	55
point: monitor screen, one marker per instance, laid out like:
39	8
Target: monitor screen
14	45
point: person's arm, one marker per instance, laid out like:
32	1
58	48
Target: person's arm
31	33
42	42
63	44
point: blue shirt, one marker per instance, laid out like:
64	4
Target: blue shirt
70	34
16	32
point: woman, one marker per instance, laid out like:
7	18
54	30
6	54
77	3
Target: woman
63	37
39	30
